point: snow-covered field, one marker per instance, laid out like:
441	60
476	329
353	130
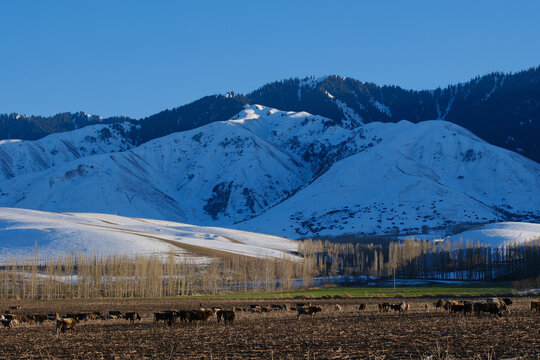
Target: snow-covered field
503	233
23	231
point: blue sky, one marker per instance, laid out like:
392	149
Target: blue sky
136	58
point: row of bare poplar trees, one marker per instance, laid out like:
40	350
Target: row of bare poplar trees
457	260
92	276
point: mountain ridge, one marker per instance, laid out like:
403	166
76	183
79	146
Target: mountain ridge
503	109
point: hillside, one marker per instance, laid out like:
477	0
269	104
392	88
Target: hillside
505	233
24	231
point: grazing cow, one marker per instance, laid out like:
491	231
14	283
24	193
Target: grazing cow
79	316
118	314
439	304
384	307
168	317
65	324
278	307
132	316
464	308
238	309
449	303
489	307
501	303
337	307
257	309
199	315
24	319
227	315
14	317
507	301
399	307
182	315
94	315
535	306
308	310
8	323
37	317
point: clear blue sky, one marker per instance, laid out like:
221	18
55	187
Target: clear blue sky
136	58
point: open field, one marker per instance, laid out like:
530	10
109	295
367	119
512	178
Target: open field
486	289
330	334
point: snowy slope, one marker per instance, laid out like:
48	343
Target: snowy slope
22	157
503	233
22	231
288	174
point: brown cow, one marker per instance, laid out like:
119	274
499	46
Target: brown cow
439	304
308	310
384	307
37	317
65	324
535	306
489	307
199	315
94	315
464	308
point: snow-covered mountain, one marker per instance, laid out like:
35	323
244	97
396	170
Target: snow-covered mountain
286	173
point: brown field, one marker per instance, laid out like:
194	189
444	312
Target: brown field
347	334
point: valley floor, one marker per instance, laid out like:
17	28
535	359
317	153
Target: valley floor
331	334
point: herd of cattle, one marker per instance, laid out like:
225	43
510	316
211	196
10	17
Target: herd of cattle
9	318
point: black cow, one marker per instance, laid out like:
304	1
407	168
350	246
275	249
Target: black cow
308	310
132	316
227	315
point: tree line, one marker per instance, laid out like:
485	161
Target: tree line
94	276
425	259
